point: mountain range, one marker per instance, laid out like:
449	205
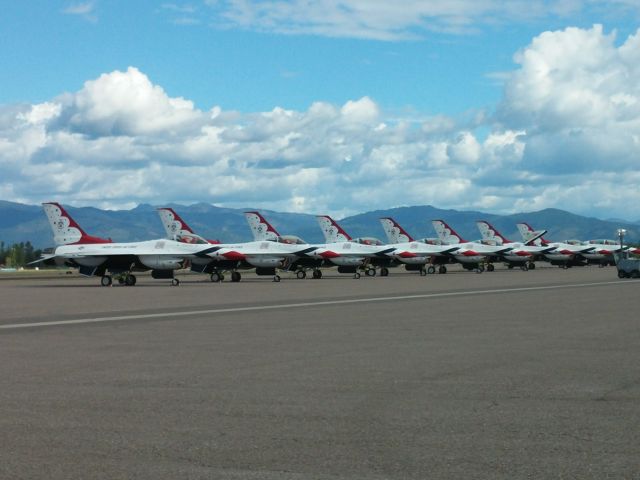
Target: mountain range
21	223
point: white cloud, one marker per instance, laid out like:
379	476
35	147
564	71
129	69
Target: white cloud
389	21
127	103
86	10
580	111
566	134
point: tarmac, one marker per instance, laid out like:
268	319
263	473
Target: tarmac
499	375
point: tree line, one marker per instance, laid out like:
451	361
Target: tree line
18	255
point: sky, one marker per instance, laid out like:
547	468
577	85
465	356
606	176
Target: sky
325	107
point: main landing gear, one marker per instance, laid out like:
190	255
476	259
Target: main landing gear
317	274
127	279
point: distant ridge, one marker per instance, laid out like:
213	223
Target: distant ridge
19	223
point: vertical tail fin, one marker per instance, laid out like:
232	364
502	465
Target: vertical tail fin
445	233
65	229
488	232
531	236
260	227
395	233
331	230
177	229
173	224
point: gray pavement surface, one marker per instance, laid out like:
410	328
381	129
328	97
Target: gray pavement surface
502	375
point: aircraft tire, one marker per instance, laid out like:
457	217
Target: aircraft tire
276	278
236	277
106	281
442	269
317	274
532	266
130	280
524	268
621	274
300	274
431	269
384	272
175	282
215	277
356	275
491	267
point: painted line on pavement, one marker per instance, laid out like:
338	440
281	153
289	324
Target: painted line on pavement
143	316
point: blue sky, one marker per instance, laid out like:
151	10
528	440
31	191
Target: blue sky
332	106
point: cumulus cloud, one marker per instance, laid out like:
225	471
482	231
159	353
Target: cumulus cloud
566	134
581	112
126	103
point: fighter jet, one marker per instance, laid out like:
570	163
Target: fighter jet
94	256
265	256
565	255
471	255
340	250
415	254
523	255
351	255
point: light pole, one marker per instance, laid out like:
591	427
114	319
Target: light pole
621	233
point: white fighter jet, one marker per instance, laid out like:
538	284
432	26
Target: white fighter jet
265	256
415	254
262	230
340	250
471	255
523	255
351	255
101	257
565	255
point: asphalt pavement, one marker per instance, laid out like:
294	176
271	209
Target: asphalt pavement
500	375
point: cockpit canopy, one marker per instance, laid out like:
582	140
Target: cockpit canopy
369	241
432	241
191	238
291	239
603	241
